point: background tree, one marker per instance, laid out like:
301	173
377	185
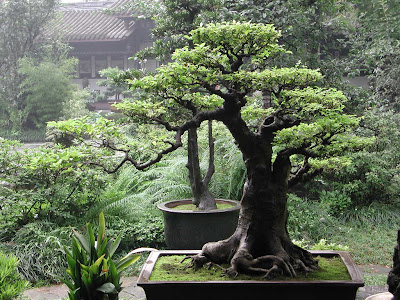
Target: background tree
46	86
75	106
114	89
375	48
373	176
22	22
173	20
315	31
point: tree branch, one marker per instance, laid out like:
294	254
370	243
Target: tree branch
303	175
275	122
140	165
211	158
217	114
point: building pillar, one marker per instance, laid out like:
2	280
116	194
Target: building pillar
93	64
125	62
109	61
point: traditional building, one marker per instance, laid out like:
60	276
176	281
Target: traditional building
103	34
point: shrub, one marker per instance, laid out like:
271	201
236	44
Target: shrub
11	284
45	184
373	175
147	231
309	220
335	202
92	274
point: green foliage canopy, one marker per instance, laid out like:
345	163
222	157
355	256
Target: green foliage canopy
218	79
228	59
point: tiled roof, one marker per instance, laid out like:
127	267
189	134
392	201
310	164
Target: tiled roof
86	5
86	22
121	7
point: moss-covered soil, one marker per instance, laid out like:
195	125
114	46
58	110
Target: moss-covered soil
170	268
193	207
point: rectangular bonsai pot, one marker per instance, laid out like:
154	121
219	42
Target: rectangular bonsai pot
248	289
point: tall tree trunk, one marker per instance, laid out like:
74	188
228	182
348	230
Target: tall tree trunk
202	197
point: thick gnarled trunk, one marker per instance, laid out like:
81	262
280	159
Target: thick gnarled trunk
261	243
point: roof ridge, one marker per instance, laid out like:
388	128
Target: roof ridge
86	6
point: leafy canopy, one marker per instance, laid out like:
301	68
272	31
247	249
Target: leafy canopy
218	78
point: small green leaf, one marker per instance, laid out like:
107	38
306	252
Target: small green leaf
102	228
107	288
94	269
82	241
127	261
101	247
87	280
113	247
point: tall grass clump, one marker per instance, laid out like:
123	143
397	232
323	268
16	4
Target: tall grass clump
134	193
38	247
169	180
131	200
11	284
376	214
372	232
113	200
230	173
27	136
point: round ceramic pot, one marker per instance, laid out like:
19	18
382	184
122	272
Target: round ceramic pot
187	229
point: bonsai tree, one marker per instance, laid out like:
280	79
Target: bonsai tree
147	113
302	132
173	20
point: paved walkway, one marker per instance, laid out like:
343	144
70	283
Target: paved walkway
132	292
55	292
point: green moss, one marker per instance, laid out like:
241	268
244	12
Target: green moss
193	207
170	268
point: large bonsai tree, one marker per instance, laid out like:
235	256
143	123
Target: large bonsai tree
304	125
290	139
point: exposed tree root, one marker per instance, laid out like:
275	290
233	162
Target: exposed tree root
288	263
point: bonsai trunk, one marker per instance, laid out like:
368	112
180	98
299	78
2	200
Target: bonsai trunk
202	197
261	243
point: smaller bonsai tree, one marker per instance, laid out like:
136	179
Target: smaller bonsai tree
175	109
292	138
173	20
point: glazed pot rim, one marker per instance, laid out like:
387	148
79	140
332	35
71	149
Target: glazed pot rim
168	206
